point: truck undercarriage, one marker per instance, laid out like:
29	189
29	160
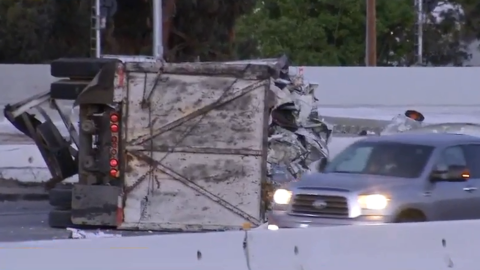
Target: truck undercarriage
89	85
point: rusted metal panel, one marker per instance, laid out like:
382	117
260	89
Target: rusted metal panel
194	191
180	101
231	126
195	148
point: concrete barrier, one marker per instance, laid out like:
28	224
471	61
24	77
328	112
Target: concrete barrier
25	164
390	86
210	251
429	246
352	86
426	246
21	81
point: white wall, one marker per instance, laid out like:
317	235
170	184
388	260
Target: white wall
21	81
396	86
339	86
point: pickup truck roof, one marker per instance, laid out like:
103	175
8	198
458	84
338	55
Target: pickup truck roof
433	139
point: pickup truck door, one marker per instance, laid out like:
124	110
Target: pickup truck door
452	200
472	155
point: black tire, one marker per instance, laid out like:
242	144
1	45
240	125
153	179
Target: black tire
410	218
61	198
60	219
67	89
80	68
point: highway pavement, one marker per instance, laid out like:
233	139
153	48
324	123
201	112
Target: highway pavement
27	221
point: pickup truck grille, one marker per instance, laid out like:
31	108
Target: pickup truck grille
320	205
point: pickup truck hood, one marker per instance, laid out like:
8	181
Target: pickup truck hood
349	182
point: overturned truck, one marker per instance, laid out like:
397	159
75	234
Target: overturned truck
159	146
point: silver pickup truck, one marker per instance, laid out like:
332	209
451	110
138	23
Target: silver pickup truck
387	179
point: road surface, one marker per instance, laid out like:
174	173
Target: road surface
27	221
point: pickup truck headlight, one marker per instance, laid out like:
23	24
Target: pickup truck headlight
282	196
373	201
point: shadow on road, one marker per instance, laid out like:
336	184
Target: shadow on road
28	221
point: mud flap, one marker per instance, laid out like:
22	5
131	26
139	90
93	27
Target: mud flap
96	205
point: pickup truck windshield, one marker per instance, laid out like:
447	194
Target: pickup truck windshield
382	158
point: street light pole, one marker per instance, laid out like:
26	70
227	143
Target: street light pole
371	39
157	29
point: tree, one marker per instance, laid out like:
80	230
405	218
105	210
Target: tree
193	29
24	29
70	32
446	34
311	32
33	31
316	32
327	32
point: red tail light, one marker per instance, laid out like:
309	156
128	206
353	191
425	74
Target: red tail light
114	128
114	117
113	163
113	173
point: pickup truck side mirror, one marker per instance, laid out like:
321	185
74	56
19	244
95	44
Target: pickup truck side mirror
452	173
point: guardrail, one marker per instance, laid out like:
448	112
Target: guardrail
414	246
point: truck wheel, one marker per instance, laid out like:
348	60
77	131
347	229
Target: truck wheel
79	68
61	198
60	219
410	216
67	89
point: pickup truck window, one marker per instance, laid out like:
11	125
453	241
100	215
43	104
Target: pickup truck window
452	156
472	156
382	158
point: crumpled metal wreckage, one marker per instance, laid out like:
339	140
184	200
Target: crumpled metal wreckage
299	136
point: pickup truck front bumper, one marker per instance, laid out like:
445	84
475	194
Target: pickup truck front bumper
282	219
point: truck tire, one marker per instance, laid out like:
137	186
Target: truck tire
67	89
410	216
79	68
61	198
60	219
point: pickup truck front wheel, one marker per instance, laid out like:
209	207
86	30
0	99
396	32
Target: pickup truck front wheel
409	216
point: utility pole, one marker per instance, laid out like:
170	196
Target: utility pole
419	31
371	39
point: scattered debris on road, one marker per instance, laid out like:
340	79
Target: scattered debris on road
80	234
